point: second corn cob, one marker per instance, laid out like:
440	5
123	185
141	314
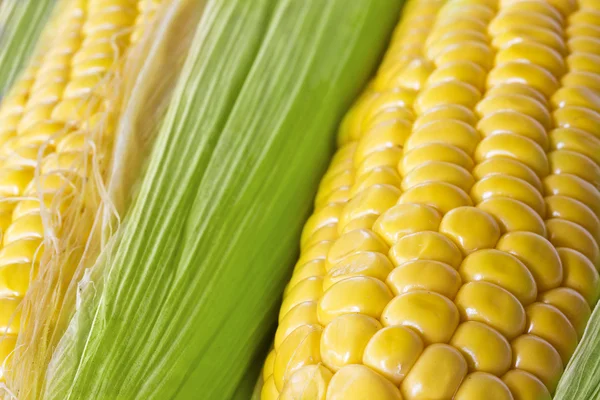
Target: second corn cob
453	251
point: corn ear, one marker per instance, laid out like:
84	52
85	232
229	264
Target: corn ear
199	261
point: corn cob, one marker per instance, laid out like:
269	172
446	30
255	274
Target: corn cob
52	114
453	250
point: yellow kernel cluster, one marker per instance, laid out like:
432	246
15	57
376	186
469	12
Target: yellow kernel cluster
453	250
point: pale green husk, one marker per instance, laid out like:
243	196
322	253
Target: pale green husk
581	379
21	22
185	294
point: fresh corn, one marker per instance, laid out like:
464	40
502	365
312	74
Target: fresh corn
453	248
51	114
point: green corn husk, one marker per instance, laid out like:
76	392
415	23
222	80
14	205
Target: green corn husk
581	379
21	22
186	291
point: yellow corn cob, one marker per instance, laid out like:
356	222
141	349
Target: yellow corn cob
51	112
453	250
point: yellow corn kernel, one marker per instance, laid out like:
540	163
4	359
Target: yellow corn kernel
580	274
524	73
534	53
437	374
508	186
362	263
493	305
512	87
309	289
513	215
432	315
538	255
508	121
576	96
446	112
544	36
393	351
446	92
535	355
484	348
571	304
512	17
575	187
304	313
515	102
471	229
439	171
434	152
355	382
344	340
549	323
585	62
577	119
563	233
574	163
576	140
516	147
296	388
464	71
525	386
507	166
582	78
299	349
502	269
353	241
365	207
404	219
361	294
433	276
481	385
426	245
441	195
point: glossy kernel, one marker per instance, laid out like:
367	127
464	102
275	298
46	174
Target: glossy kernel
357	382
484	348
513	215
434	316
580	274
538	255
525	386
405	219
452	132
511	187
493	305
507	121
428	275
362	263
571	304
439	171
441	195
563	233
535	355
359	294
437	374
353	241
471	229
434	152
549	323
507	166
344	339
393	351
426	245
479	385
307	383
502	269
299	349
